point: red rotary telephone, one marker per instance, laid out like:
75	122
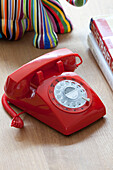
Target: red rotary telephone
49	90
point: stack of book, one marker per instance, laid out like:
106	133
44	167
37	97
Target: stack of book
100	41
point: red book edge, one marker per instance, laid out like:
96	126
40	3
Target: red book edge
99	39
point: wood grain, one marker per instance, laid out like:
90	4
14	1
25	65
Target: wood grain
37	146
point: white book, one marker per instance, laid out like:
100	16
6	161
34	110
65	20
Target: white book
100	60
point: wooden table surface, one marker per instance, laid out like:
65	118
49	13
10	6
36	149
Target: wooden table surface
39	147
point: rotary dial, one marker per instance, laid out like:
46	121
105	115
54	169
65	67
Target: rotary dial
69	94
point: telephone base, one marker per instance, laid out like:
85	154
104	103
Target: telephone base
48	89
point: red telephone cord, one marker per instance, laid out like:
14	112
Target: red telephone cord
17	121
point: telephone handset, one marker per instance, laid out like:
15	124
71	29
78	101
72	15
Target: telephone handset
49	90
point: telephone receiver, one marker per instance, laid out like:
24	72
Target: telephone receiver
48	89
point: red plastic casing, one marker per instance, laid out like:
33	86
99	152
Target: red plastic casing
30	88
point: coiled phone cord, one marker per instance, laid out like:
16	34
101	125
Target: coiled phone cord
16	121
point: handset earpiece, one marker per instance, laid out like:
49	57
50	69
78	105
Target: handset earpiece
70	62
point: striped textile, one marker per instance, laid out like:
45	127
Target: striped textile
46	17
57	15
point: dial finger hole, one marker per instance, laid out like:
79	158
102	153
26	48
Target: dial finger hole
78	86
73	83
81	90
74	104
62	83
57	91
68	104
58	87
58	96
63	100
79	104
67	82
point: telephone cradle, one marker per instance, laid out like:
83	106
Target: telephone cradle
48	89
